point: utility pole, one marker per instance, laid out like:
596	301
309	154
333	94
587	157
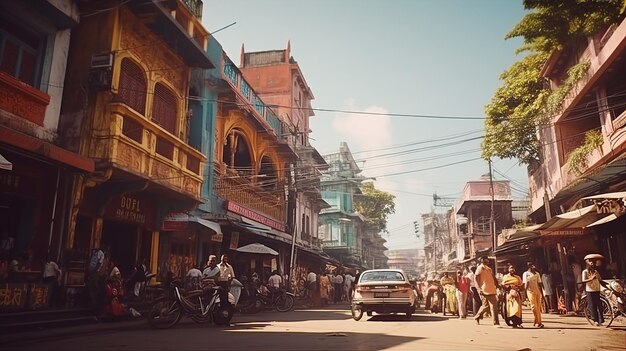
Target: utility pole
492	225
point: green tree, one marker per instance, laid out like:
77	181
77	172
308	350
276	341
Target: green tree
375	205
519	104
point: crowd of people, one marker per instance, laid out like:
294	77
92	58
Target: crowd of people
330	286
482	292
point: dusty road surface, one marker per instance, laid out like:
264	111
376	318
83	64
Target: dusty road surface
330	328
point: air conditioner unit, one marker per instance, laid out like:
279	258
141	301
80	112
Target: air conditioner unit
100	79
103	60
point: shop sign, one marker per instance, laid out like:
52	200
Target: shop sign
175	222
234	240
39	297
217	237
248	213
564	232
13	296
131	208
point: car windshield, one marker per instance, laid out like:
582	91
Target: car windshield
382	276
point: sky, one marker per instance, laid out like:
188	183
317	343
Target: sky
403	82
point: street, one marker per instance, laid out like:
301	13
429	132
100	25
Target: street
329	328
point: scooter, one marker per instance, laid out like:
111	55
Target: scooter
246	299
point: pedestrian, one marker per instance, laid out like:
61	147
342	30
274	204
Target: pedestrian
462	289
476	302
449	290
512	283
227	274
578	284
193	278
591	278
548	291
311	286
95	280
51	277
486	282
325	286
348	280
338	287
533	286
211	271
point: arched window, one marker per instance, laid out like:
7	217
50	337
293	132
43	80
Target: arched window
236	154
133	88
164	108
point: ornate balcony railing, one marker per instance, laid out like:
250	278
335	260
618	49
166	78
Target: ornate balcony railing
242	191
136	144
261	112
195	7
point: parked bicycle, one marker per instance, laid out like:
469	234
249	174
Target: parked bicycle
612	301
200	305
280	300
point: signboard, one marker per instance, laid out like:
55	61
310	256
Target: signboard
234	240
132	208
13	296
39	297
246	212
175	222
564	232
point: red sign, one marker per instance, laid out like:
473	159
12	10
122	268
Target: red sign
246	212
175	222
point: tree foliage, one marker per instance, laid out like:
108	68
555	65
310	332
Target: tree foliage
375	205
520	102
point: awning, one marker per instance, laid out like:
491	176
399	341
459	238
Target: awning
257	248
46	149
177	221
5	164
576	219
616	195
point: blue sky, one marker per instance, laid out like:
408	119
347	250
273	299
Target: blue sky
431	60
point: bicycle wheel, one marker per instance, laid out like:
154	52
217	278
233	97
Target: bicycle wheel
164	313
584	306
607	309
222	314
284	303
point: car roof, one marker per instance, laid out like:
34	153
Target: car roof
384	270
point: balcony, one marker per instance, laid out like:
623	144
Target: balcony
254	105
195	7
242	191
133	143
22	100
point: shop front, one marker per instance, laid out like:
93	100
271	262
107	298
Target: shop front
186	241
34	194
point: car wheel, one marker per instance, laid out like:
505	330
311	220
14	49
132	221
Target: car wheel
357	312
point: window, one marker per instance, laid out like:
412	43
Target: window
20	52
133	89
164	108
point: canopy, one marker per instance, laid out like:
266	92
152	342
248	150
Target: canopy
616	195
257	248
5	164
576	219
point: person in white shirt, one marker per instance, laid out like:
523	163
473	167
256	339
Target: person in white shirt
311	284
347	283
275	281
338	282
476	302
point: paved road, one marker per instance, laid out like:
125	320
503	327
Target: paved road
330	328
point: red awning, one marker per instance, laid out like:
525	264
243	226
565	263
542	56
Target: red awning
44	148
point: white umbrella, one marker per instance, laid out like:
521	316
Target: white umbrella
257	248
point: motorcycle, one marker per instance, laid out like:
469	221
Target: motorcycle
281	300
612	299
200	305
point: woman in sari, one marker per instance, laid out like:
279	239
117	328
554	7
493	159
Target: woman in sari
512	284
449	289
324	288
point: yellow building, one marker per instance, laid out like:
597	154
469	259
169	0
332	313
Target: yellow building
126	107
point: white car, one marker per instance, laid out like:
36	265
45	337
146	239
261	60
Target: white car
383	291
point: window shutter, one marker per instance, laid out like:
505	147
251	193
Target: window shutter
133	88
164	108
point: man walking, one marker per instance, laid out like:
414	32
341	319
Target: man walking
338	287
462	288
533	286
474	290
487	288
